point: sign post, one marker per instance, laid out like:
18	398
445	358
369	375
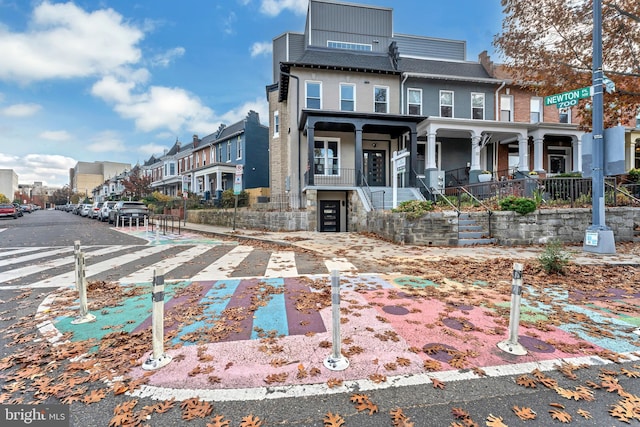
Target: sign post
237	189
185	196
399	160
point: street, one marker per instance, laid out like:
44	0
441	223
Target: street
36	269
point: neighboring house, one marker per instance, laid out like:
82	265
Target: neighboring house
243	145
349	92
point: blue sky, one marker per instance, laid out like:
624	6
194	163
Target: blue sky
120	80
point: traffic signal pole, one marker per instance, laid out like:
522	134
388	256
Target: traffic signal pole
598	237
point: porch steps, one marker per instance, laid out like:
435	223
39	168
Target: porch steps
382	197
472	232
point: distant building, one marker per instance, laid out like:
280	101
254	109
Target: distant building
85	176
8	183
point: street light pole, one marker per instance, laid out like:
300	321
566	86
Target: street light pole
598	237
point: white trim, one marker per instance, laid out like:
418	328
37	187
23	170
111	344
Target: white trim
306	96
510	109
326	140
276	124
440	105
540	111
484	98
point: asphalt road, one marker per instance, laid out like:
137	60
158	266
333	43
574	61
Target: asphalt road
423	404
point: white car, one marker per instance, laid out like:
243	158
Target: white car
104	211
85	209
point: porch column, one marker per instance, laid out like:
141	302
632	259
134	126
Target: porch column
359	155
538	149
523	154
576	154
310	149
207	183
475	152
413	158
431	151
218	180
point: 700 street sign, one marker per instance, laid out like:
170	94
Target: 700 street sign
569	99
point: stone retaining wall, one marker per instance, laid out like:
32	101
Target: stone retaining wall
439	228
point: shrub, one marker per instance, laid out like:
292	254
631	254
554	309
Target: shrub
554	258
229	199
634	175
521	205
414	208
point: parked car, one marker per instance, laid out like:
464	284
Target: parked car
106	208
8	210
85	209
126	209
26	208
95	210
17	206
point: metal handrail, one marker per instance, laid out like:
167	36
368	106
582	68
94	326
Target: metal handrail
443	196
366	190
489	211
615	192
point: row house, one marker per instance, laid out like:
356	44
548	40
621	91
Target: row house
208	166
349	93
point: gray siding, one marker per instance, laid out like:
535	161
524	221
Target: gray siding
287	47
350	23
461	97
427	47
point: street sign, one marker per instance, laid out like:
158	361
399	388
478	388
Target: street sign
239	170
568	99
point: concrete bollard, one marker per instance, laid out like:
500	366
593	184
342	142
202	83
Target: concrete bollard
158	358
512	345
336	361
81	284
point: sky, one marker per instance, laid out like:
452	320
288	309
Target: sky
122	80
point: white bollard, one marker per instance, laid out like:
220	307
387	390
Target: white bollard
76	250
512	345
137	223
336	361
158	358
81	284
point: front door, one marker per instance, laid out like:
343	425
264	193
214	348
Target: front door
374	167
330	215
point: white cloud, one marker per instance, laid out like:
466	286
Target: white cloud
20	110
152	149
275	7
64	41
55	135
166	58
261	48
229	22
259	105
106	142
52	170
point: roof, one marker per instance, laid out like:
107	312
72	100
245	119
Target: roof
345	60
468	70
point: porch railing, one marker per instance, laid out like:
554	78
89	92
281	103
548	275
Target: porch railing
343	177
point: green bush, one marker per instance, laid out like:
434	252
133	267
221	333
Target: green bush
521	205
414	208
554	258
229	199
634	175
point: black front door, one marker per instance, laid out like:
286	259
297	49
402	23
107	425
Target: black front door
330	215
374	167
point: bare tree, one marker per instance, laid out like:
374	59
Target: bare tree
547	47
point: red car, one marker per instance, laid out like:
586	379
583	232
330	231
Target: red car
7	209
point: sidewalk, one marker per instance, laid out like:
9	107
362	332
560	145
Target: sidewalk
255	338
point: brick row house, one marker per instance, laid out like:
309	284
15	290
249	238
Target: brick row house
348	92
208	166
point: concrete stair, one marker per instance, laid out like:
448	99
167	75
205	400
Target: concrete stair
474	229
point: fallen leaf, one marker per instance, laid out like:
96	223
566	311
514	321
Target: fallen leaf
524	413
333	420
562	416
437	383
494	421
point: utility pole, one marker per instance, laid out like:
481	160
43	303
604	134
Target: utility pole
598	237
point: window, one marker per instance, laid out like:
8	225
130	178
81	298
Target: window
446	103
414	102
349	46
477	106
197	160
325	158
564	115
276	123
228	151
536	110
239	148
169	169
638	120
381	99
314	100
212	155
347	97
506	108
220	152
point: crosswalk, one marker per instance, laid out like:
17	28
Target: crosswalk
52	267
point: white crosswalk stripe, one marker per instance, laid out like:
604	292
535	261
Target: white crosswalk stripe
52	267
146	274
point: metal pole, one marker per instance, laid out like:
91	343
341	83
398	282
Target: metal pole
158	358
81	283
185	211
235	212
336	361
598	237
512	345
